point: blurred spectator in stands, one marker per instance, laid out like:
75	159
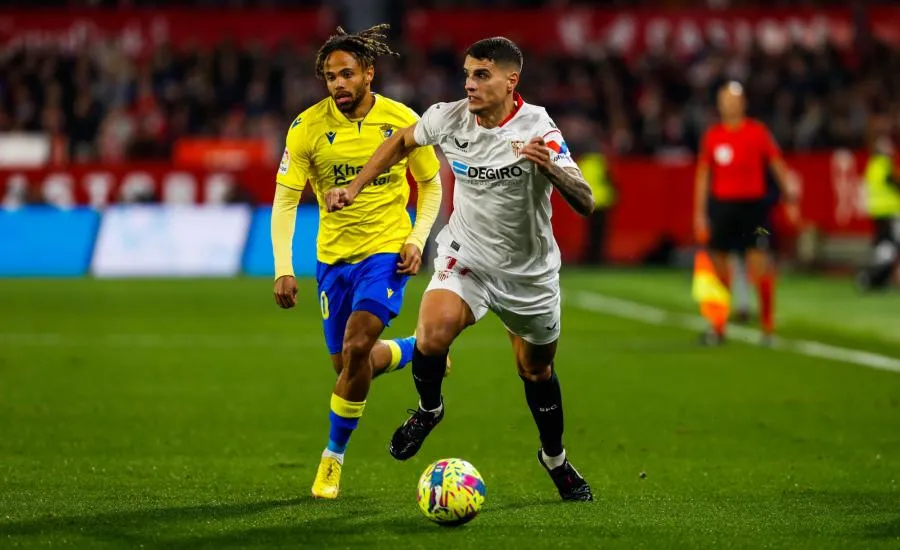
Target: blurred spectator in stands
111	107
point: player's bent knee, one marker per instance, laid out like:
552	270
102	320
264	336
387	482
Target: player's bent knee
355	354
535	373
435	338
435	341
534	362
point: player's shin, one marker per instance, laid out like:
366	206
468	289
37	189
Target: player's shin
428	374
391	355
344	419
544	398
350	392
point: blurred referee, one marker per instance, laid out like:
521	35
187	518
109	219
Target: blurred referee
732	210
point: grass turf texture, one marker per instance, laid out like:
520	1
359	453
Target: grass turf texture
191	414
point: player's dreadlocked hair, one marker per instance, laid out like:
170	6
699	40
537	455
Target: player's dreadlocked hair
365	46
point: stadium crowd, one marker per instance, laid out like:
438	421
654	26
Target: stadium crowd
106	106
400	5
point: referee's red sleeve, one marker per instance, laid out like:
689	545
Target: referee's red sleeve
773	151
705	154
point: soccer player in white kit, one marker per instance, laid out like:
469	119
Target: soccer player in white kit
497	252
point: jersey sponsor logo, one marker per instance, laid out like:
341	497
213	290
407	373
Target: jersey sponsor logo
344	174
330	136
558	146
723	154
461	145
285	162
386	130
557	158
560	149
486	172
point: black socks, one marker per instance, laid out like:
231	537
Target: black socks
428	374
545	401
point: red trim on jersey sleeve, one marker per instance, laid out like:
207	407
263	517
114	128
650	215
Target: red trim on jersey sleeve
557	144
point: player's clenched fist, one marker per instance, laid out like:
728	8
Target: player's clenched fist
537	152
337	198
286	291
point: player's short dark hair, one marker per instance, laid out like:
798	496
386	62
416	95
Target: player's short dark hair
365	46
498	49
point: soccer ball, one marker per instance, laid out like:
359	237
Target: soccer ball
451	492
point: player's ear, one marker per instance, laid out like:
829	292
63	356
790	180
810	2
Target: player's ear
512	80
369	74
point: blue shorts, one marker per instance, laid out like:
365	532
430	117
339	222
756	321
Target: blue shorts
371	285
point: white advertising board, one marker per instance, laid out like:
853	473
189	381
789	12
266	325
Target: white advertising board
157	240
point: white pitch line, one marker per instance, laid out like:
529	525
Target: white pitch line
626	309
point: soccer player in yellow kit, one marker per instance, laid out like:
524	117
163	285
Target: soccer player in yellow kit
365	252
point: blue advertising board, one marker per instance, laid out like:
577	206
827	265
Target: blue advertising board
43	241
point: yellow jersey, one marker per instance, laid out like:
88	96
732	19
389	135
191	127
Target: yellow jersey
326	148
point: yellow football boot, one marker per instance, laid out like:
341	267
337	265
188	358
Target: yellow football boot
328	479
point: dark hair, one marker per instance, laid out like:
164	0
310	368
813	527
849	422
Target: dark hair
498	49
365	46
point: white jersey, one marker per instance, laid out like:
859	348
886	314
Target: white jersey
501	202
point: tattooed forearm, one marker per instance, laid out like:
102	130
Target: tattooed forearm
574	189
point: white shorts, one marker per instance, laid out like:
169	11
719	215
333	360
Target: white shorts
528	309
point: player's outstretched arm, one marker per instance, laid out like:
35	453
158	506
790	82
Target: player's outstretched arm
568	181
393	150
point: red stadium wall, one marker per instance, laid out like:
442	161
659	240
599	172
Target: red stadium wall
655	201
654	198
139	31
548	30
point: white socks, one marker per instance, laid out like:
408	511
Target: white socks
331	454
435	412
553	462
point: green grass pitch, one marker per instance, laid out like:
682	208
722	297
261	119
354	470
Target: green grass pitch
191	414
